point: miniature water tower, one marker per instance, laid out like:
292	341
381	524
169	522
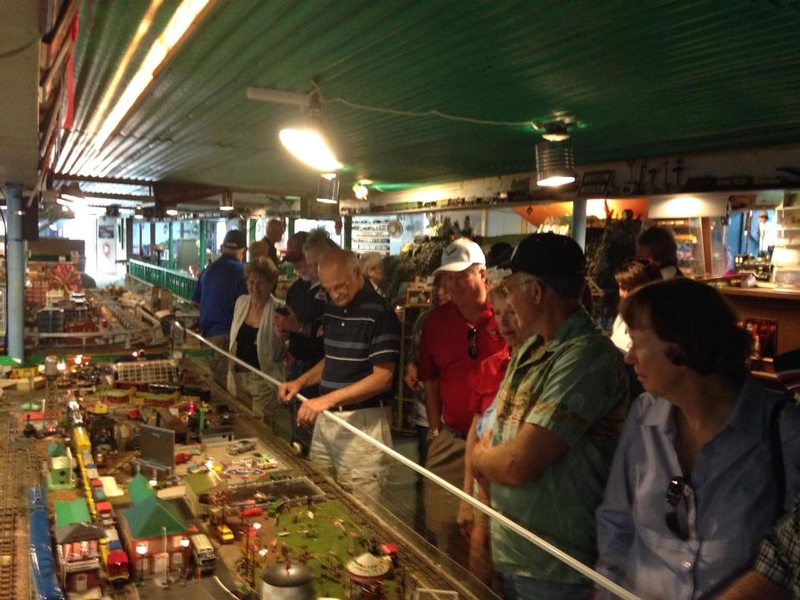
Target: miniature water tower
287	581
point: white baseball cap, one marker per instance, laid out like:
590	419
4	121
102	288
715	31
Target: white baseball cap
460	255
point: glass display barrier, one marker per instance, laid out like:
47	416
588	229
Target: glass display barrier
372	534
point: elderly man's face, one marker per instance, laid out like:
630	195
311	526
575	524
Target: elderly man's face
340	282
465	286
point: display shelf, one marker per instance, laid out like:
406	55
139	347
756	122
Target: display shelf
788	224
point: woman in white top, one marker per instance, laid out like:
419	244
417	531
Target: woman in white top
254	341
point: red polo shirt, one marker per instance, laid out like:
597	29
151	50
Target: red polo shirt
487	381
444	355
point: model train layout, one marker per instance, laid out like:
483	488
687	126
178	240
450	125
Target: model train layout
153	477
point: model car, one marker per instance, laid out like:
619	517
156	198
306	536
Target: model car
224	534
241	446
182	457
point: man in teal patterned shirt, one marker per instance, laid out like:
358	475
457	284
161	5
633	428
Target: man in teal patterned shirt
560	411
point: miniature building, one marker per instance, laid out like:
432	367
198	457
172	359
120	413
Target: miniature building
365	575
157	524
78	541
200	487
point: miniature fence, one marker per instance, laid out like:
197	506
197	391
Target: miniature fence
180	284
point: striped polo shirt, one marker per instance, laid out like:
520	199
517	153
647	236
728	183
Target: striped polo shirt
357	337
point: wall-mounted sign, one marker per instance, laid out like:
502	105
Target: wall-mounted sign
596	184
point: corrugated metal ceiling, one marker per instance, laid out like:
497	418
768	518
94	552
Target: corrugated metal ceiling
640	79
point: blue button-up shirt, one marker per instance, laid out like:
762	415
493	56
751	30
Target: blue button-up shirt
731	503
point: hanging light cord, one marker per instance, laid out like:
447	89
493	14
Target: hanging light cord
433	113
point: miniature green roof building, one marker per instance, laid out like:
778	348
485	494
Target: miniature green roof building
150	516
139	489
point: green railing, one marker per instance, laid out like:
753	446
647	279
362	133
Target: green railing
180	284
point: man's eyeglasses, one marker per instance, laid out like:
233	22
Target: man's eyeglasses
472	338
678	524
507	288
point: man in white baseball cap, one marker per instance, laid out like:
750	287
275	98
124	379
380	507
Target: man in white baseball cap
456	337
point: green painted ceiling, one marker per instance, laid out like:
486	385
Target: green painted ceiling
640	78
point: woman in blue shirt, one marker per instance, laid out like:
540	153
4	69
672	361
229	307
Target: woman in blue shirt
708	458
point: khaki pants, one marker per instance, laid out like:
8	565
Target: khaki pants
355	464
446	460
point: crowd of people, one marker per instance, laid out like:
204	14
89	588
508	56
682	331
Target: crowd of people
648	453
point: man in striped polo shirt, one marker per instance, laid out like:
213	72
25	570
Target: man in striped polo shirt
362	347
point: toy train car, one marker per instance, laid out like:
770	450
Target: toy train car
80	440
115	559
44	574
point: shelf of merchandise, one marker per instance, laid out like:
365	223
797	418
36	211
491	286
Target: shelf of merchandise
370	234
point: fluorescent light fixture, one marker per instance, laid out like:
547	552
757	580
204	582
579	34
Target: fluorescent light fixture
80	208
172	212
554	164
178	25
309	146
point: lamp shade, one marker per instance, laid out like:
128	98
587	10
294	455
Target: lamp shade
554	164
328	189
226	200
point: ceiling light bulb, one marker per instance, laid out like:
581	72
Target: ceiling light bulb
361	191
556	136
556	181
138	213
172	212
309	147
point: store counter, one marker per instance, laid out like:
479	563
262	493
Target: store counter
772	314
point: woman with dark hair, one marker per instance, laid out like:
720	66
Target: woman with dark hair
633	274
708	458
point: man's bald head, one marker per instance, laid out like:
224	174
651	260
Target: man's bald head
341	276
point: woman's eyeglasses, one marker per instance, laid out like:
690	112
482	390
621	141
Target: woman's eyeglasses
678	524
472	338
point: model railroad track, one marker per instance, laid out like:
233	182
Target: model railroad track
19	470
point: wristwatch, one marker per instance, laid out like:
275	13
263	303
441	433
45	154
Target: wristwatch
432	434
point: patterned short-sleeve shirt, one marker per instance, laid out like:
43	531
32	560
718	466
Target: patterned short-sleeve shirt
576	387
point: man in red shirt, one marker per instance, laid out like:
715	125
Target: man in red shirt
455	339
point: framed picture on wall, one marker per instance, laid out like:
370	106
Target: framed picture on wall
105	232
